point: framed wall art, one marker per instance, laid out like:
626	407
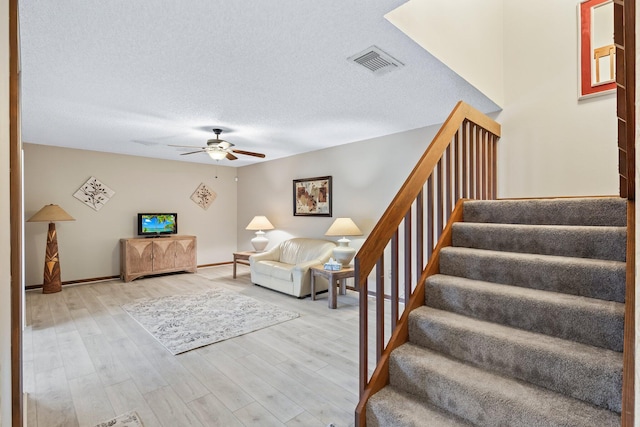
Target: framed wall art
596	50
203	196
94	193
312	196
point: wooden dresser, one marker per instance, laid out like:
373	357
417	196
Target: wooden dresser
147	256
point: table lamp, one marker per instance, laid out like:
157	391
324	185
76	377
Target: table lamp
50	213
259	223
343	253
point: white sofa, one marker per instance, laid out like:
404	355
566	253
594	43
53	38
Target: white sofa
285	268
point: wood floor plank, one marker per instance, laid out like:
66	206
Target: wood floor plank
270	398
105	360
314	403
76	359
90	400
144	375
255	414
72	298
46	351
54	402
334	393
125	397
276	341
228	392
183	382
211	412
84	322
170	409
60	314
305	420
254	347
109	328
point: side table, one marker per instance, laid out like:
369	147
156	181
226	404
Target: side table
335	277
240	256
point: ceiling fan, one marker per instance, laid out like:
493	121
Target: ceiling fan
219	149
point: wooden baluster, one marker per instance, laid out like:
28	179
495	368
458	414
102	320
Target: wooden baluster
419	233
394	281
439	198
407	256
472	161
483	148
478	192
430	242
364	329
465	159
456	167
494	163
379	308
448	190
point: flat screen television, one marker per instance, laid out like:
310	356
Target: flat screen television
156	224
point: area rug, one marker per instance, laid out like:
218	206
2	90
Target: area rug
185	322
130	419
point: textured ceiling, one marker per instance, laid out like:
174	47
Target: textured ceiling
132	77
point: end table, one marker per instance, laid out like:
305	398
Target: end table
240	256
335	277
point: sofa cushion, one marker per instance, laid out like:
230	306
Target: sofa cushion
295	251
275	269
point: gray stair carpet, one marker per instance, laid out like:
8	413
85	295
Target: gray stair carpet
523	326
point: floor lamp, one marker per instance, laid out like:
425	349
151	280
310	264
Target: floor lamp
50	213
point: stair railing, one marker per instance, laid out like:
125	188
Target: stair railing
460	163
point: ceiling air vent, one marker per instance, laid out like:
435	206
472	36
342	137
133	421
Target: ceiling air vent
376	61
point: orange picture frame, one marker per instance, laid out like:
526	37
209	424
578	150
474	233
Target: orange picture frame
596	52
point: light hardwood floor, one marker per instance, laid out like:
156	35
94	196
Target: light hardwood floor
86	360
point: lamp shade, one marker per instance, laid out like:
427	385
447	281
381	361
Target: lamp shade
51	213
260	223
343	227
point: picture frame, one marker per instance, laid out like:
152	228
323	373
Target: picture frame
596	49
312	196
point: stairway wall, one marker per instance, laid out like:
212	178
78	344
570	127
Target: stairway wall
552	143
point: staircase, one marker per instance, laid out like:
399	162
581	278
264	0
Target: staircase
523	326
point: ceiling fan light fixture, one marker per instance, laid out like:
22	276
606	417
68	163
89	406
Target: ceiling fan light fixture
217	154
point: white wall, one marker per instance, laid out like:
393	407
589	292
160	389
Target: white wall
553	144
366	177
523	55
469	43
89	246
5	236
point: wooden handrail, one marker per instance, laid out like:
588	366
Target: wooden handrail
459	163
401	203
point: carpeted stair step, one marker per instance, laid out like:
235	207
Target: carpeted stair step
586	320
392	407
608	211
577	276
487	399
596	242
581	371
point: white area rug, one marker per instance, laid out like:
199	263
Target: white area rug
130	419
184	322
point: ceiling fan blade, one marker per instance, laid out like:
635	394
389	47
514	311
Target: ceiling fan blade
249	153
231	156
193	152
185	146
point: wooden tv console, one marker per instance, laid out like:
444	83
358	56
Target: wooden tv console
146	256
